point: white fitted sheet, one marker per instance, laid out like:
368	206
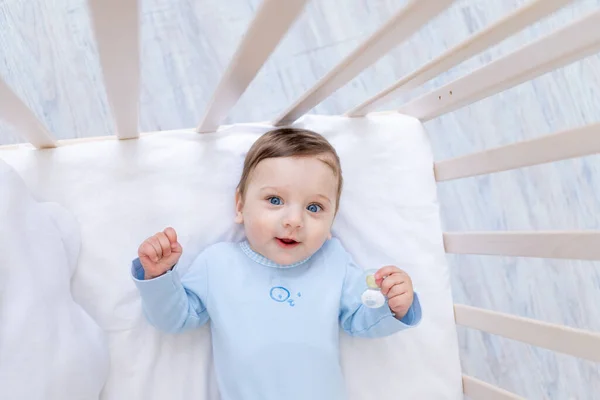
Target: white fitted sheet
123	191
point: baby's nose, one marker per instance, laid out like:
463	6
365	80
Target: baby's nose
293	219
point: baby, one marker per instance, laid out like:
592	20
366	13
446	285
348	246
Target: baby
277	299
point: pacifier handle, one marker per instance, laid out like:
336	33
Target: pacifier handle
372	297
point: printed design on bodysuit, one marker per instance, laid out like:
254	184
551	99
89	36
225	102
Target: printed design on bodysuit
282	295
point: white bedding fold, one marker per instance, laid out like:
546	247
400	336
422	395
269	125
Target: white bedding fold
49	347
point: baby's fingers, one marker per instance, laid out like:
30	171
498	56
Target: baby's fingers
401	304
176	248
148	250
171	234
398	290
164	243
157	249
392	280
386	271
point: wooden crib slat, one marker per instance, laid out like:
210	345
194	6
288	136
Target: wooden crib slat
487	37
479	390
116	27
563	339
569	44
403	24
579	245
558	146
273	19
14	111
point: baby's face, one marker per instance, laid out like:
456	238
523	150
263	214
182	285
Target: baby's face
289	207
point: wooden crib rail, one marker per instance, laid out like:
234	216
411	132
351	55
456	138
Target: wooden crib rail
273	19
403	24
571	43
116	27
479	390
15	112
580	245
575	342
487	37
571	143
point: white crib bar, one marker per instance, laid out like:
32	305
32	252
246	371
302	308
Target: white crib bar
580	245
489	36
577	40
15	112
479	390
575	342
558	146
116	26
272	21
403	24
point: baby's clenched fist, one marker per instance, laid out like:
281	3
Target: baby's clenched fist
397	286
159	253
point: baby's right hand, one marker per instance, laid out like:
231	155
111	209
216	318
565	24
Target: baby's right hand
159	253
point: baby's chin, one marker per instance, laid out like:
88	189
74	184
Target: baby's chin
287	257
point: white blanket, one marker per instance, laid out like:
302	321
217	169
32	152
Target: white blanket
122	192
49	347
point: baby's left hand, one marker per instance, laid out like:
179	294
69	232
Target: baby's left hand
397	286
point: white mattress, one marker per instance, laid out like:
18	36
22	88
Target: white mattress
123	191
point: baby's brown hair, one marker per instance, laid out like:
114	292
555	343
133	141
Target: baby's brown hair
291	142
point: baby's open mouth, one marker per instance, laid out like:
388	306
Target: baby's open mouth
287	242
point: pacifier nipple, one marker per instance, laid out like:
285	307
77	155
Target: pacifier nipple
371	283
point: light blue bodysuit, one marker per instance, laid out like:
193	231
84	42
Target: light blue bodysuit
275	328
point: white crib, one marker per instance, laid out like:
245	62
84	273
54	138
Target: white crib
116	29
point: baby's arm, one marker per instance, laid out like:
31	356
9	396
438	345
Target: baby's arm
358	320
171	303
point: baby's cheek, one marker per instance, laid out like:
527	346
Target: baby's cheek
251	230
257	228
319	233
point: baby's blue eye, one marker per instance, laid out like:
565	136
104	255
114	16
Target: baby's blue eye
314	208
276	201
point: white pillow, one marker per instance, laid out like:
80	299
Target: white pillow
49	347
122	192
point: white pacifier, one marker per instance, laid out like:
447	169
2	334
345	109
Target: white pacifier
372	297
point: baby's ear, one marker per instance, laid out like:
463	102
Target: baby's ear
239	205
